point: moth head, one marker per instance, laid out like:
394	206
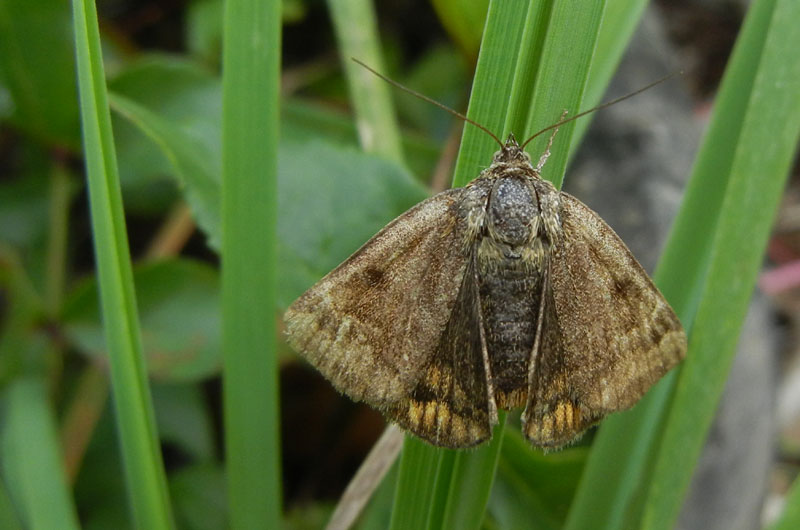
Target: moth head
511	153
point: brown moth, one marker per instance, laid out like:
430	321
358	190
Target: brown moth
505	293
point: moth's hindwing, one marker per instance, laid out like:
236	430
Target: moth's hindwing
452	404
607	334
373	324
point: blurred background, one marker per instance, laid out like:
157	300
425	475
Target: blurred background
165	56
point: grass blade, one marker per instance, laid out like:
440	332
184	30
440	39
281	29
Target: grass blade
8	516
765	148
144	469
492	86
251	76
563	73
418	463
620	20
471	479
612	490
356	32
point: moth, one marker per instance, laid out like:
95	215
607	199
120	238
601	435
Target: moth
505	293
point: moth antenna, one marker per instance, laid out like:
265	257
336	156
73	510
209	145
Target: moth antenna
562	121
431	101
546	154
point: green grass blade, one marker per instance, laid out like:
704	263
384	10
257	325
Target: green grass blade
492	86
32	458
251	80
790	518
564	62
620	20
356	32
617	462
765	148
700	211
563	72
471	480
418	464
144	469
614	484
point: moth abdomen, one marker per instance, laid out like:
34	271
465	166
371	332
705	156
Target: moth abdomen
510	306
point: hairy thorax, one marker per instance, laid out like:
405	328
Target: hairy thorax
512	216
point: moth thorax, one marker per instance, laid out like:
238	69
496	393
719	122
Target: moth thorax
513	212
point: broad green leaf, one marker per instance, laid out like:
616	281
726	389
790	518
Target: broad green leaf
184	420
178	304
37	71
187	97
319	225
32	460
199	496
318	184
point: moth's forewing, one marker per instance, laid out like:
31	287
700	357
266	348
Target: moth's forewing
607	333
452	404
372	324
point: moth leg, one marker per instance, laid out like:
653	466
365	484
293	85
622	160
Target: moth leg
546	154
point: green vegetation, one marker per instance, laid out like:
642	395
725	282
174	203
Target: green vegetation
111	346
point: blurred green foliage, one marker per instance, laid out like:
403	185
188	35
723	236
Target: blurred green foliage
167	121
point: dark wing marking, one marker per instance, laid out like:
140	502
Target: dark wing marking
452	404
372	324
607	334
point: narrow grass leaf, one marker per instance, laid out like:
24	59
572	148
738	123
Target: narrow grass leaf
357	35
563	72
144	469
418	464
620	20
764	151
471	480
563	61
250	88
614	485
491	86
